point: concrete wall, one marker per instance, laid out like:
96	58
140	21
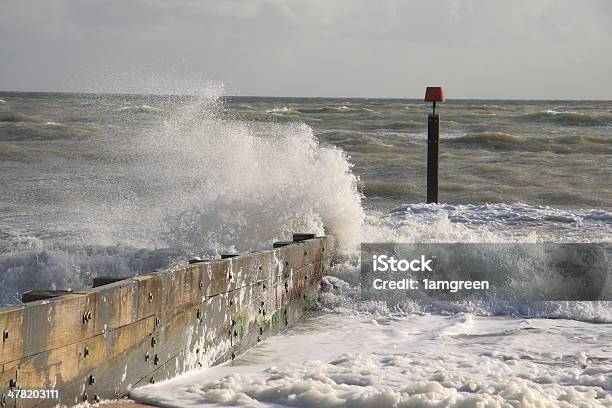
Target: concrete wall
98	344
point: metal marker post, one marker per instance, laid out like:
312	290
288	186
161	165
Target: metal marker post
433	94
433	142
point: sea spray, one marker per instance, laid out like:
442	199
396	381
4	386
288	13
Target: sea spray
236	186
32	264
485	224
196	182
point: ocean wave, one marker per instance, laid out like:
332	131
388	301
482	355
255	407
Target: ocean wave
40	130
567	118
387	189
482	114
558	144
584	139
336	109
393	125
12	117
140	109
420	108
484	107
445	135
486	224
490	138
267	181
42	266
362	142
283	111
502	214
259	189
340	296
54	124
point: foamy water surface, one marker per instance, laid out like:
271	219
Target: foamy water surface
413	361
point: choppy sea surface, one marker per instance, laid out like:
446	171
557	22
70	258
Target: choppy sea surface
127	184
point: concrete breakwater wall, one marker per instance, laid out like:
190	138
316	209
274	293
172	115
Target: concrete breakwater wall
99	344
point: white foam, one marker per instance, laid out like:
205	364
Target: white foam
34	265
243	185
340	361
281	110
555	112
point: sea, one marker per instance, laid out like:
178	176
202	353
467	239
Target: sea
121	185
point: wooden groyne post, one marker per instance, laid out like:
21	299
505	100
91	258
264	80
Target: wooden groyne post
127	332
433	94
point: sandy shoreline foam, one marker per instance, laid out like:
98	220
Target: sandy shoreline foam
461	360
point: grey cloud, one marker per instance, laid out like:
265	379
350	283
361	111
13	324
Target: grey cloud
387	48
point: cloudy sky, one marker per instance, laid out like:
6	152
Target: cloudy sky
537	49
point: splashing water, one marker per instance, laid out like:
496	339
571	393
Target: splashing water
195	184
244	185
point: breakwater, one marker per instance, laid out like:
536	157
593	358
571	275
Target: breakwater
101	343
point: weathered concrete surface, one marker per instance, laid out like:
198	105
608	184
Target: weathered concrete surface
98	344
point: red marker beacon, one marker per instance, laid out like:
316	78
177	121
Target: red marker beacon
434	94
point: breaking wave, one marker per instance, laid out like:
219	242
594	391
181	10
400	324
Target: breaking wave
327	109
565	144
283	111
342	295
255	183
492	138
487	224
200	185
515	214
484	107
568	118
37	265
31	129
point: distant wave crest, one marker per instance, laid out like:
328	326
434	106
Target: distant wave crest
568	118
496	138
336	109
140	109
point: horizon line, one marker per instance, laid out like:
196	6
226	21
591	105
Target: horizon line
300	97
